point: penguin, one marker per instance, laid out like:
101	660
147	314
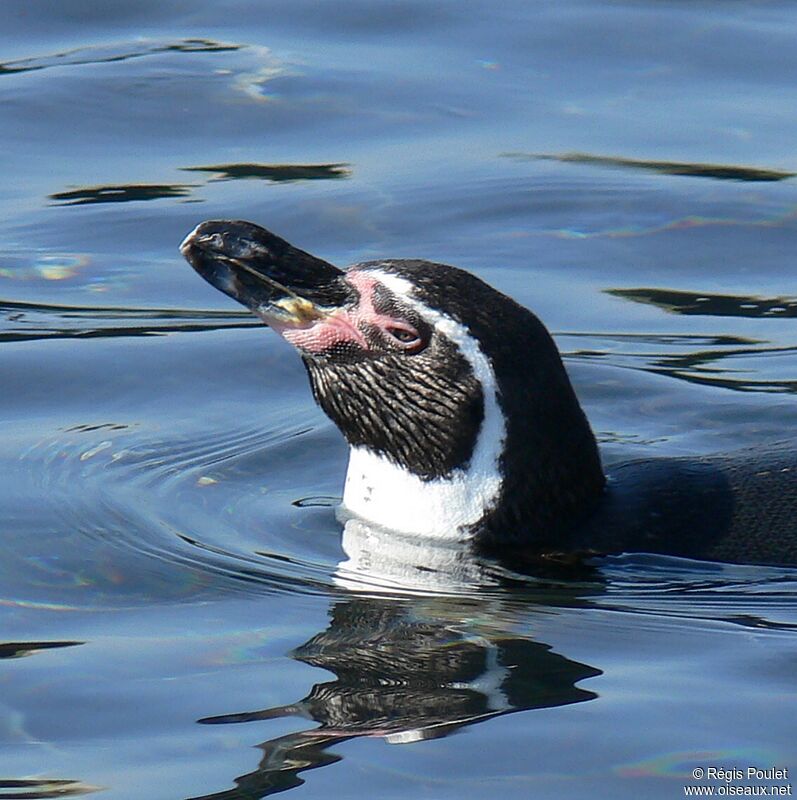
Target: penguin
464	428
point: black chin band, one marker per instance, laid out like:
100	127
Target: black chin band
422	412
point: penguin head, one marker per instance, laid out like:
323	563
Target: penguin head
461	420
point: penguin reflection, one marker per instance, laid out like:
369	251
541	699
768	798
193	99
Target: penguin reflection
407	669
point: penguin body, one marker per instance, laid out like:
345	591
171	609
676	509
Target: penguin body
464	427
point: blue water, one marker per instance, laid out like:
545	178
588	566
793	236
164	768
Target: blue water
170	552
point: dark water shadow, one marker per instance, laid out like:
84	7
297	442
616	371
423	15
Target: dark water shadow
117	312
675	301
721	362
727	362
276	173
31	789
20	649
112	53
406	670
705	368
685	371
724	172
137	192
121	193
115	332
21	321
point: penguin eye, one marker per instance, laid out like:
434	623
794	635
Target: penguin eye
408	338
403	336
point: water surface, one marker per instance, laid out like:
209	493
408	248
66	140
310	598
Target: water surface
175	623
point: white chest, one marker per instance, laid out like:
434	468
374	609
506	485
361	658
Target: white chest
382	493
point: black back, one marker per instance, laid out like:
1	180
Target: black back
738	507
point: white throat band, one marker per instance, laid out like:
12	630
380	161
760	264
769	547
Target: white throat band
380	491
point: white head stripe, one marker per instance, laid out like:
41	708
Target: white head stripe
382	492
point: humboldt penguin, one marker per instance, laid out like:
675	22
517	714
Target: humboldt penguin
463	425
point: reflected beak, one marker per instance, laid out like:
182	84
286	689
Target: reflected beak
278	282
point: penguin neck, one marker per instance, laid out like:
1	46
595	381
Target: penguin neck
534	503
553	480
534	473
527	484
449	507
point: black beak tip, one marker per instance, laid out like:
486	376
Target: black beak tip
255	267
227	238
187	244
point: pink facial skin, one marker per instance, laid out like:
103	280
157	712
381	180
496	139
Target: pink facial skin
348	325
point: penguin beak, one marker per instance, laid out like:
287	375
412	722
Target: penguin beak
281	284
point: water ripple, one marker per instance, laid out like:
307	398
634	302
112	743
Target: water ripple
21	321
104	54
